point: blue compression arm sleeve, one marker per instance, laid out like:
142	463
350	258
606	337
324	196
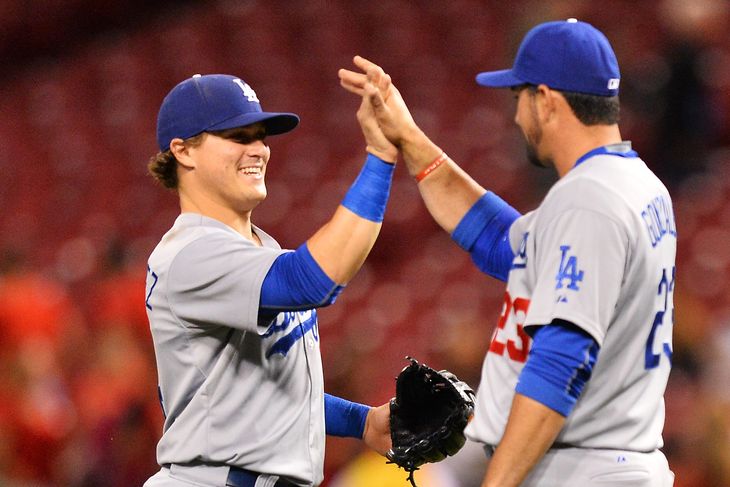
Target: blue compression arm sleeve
484	233
344	418
559	365
368	195
295	281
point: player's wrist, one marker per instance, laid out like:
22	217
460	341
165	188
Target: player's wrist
386	155
411	136
431	167
418	151
368	195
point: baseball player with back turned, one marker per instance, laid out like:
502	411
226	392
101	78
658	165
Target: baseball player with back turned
573	382
233	315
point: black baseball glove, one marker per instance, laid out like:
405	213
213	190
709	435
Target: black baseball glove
427	416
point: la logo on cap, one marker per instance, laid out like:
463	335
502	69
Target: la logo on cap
613	83
247	90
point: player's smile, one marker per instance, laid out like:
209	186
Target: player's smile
252	168
250	171
256	172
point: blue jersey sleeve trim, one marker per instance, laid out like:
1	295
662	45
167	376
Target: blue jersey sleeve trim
484	233
477	219
344	418
295	281
559	366
368	195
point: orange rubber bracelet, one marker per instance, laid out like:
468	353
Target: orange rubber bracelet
432	167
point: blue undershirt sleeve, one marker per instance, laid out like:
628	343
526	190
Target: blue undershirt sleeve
344	418
295	281
559	366
368	195
484	233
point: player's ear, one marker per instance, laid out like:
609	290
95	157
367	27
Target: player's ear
181	151
546	101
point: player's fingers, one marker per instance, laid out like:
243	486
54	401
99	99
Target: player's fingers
357	79
364	64
352	88
380	79
376	76
376	99
351	81
385	82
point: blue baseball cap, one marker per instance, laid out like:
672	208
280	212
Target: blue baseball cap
214	102
566	55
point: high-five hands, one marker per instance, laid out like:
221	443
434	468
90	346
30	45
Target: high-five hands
375	86
377	143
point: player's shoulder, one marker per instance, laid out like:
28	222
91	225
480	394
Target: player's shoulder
610	186
196	235
184	232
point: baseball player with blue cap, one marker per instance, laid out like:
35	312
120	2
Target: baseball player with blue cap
233	315
573	381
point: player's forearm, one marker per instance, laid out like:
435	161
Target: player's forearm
341	246
447	190
531	429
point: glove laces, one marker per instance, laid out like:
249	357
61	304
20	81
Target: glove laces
410	471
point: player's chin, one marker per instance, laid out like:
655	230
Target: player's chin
535	159
249	196
259	195
253	187
262	194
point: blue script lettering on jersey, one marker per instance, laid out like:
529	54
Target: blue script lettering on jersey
659	219
520	260
151	283
284	344
283	320
568	270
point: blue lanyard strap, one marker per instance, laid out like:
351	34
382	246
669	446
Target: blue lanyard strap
622	149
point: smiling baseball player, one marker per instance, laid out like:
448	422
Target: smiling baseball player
233	316
573	381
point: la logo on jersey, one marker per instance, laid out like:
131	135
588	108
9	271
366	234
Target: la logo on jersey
520	260
568	270
247	91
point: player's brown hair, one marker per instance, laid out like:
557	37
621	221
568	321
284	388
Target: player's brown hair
593	109
589	109
163	165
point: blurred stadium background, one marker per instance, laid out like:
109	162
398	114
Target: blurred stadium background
82	81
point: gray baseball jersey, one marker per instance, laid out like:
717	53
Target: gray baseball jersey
598	252
234	390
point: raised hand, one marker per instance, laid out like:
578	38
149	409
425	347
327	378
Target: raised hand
374	85
377	143
355	82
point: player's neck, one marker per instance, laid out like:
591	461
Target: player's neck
240	221
583	140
